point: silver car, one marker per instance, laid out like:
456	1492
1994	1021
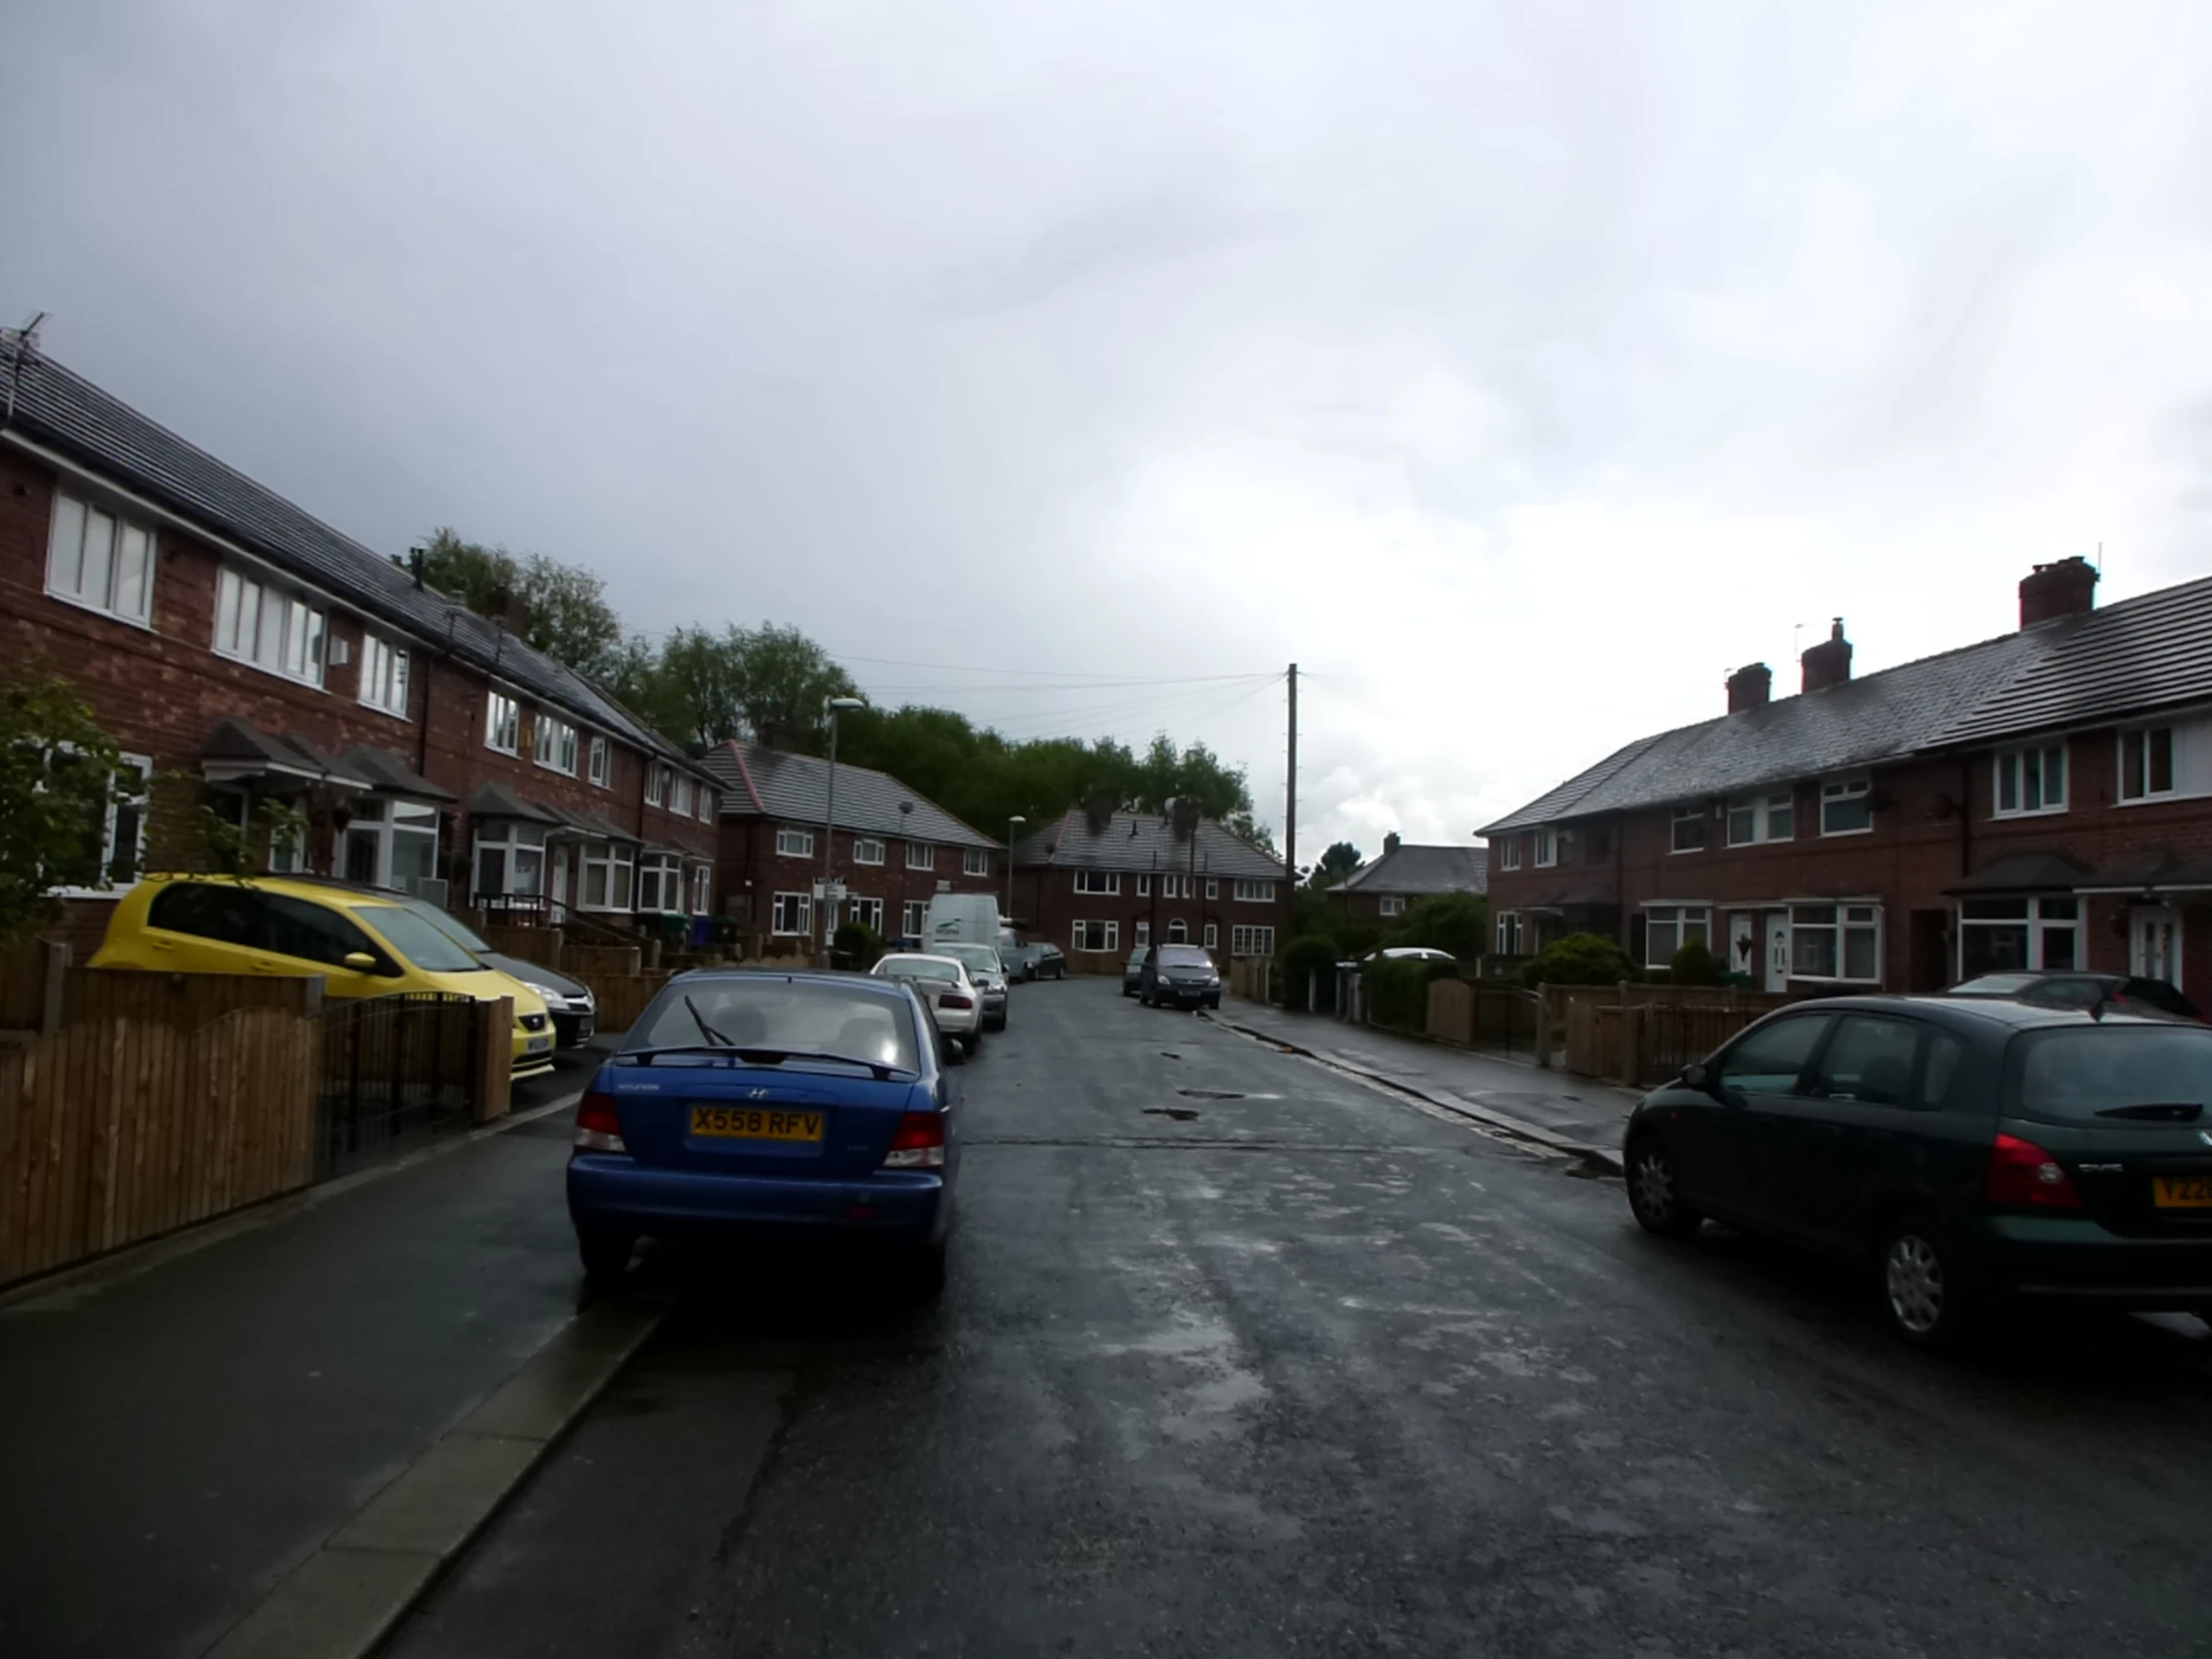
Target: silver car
989	973
943	985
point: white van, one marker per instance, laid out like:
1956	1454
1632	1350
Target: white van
962	919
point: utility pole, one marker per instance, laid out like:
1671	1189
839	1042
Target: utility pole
1290	794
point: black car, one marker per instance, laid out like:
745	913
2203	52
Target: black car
1970	1152
1179	976
2081	990
1047	961
1132	973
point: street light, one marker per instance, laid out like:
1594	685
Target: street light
837	706
1012	824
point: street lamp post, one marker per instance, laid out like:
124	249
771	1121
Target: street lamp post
837	706
1012	824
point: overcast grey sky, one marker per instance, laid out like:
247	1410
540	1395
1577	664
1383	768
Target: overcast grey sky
1517	368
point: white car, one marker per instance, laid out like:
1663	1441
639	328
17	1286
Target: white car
989	973
944	987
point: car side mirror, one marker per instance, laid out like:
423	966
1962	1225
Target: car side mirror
359	962
1698	1075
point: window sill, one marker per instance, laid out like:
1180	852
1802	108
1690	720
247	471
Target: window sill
399	715
285	675
145	626
98	894
1836	835
2163	799
1681	851
1999	815
511	753
555	770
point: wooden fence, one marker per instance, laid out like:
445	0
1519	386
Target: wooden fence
1643	1044
1484	1014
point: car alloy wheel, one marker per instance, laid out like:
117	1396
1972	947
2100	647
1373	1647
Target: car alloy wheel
1922	1298
1652	1197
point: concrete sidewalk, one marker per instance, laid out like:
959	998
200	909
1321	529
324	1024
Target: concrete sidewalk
273	1441
1571	1114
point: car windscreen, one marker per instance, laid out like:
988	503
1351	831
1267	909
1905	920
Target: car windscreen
915	967
2087	1074
975	955
430	948
811	1017
452	926
1184	956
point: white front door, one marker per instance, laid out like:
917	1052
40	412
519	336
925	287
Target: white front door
1778	951
2154	945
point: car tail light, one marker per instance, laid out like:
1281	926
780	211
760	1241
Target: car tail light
598	1128
956	1002
919	1141
2022	1174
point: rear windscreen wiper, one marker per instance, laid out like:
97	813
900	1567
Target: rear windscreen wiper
880	1069
2173	1111
705	1030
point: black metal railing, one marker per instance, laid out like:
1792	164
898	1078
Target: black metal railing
397	1072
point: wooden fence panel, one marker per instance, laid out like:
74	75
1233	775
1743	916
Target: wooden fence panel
622	997
186	1000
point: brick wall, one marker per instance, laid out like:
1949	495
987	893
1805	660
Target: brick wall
1045	900
751	872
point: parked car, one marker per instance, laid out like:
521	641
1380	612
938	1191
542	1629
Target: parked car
1181	975
2081	990
1132	972
1973	1153
1048	963
962	919
809	1109
1409	952
945	990
571	1003
1021	959
364	944
989	974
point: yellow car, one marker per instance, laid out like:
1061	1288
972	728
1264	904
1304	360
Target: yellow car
362	944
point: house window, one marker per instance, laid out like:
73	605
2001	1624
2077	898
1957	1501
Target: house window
391	845
1144	889
1668	928
681	805
1392	905
1508	852
975	862
1547	848
1256	892
1246	942
795	843
1098	880
1098	935
2032	781
100	561
920	855
1753	819
1836	942
866	850
918	915
555	745
384	676
1213	887
656	786
792	915
114	846
510	860
1179	931
1212	940
2146	763
503	724
2007	935
1689	830
602	761
266	626
706	805
1845	808
605	883
702	890
1141	935
660	883
868	912
1508	933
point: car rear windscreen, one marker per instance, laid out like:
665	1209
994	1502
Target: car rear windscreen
914	967
781	1013
2086	1074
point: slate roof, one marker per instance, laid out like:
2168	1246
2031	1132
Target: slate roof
1423	870
759	781
2127	659
237	742
61	410
391	774
1143	842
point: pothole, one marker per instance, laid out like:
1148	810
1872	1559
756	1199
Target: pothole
1210	1094
1169	1054
1181	1114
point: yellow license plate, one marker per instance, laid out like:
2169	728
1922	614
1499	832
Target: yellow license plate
2183	1192
756	1123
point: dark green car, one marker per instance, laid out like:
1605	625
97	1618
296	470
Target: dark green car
1971	1154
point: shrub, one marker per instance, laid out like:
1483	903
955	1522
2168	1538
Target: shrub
1693	964
1579	959
1311	958
1458	922
854	946
1398	989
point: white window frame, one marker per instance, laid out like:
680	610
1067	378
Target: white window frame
514	840
1684	816
1211	937
1546	848
921	855
655	783
1678	923
378	820
916	917
1758	812
553	744
795	843
664	871
680	798
868	850
1213	887
702	890
1845	919
1841	792
1392	905
502	723
616	864
301	628
1508	852
868	912
2034	924
1246	939
1140	933
1510	933
2138	786
1108	933
73	519
110	820
382	681
1098	882
792	915
1144	886
602	761
2026	775
706	803
975	860
1248	892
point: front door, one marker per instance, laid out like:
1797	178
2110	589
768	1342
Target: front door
2154	945
1743	943
1778	951
560	882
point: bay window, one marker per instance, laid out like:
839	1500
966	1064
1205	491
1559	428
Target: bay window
1836	942
608	867
2008	935
510	860
1668	928
660	882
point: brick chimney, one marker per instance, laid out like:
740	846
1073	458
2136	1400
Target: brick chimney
774	734
2068	588
1389	843
1828	663
1750	686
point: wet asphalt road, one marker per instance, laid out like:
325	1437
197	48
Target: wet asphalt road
1311	1370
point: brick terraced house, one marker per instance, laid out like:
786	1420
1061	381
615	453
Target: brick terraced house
233	643
2041	800
891	847
1379	892
1098	886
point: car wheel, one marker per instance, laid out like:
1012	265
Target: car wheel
606	1255
1920	1286
1126	990
972	1042
927	1270
1654	1197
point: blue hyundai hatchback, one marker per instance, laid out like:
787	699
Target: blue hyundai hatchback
806	1110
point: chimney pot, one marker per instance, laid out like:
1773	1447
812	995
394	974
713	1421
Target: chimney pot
2068	587
1389	843
1750	686
1828	663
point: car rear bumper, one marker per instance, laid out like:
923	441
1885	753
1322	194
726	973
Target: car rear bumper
2072	1259
896	1207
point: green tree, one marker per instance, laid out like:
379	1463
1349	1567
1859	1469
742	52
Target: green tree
788	681
1458	922
1579	959
1338	861
60	778
559	609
